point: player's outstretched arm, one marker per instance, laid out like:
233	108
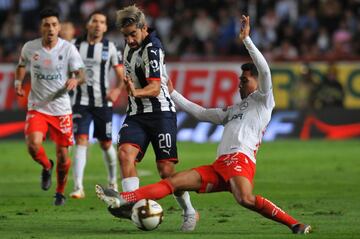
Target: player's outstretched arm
215	115
265	84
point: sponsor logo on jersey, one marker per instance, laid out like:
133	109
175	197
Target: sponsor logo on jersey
240	115
166	151
47	62
41	76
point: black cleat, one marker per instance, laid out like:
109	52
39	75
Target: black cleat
122	212
59	199
46	177
301	228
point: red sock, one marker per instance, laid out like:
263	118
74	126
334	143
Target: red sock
62	173
271	211
153	191
42	159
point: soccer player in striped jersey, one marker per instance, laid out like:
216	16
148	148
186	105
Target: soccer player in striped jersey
151	116
234	169
93	100
51	60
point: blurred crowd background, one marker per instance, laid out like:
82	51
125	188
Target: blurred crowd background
207	29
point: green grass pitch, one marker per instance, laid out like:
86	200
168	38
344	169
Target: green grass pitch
315	181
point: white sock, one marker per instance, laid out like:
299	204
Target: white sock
79	165
110	159
130	184
185	203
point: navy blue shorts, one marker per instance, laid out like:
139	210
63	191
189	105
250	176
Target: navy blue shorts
159	128
102	117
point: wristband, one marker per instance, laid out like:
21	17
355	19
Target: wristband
17	83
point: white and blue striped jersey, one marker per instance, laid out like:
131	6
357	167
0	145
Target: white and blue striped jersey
98	58
145	64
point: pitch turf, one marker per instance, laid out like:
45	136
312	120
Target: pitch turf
316	181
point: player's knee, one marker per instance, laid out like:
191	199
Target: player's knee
62	154
125	156
246	200
165	169
81	140
33	147
105	145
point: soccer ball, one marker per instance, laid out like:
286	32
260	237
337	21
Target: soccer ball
147	214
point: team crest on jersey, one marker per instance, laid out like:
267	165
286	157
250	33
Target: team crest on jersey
244	105
104	55
60	57
138	61
36	56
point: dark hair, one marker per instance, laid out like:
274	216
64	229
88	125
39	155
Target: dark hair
48	12
96	12
250	67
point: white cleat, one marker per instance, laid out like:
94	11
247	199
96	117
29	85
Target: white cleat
189	222
77	194
109	196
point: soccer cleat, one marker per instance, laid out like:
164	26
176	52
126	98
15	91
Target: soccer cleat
113	186
78	193
301	228
46	177
122	212
189	222
110	197
59	199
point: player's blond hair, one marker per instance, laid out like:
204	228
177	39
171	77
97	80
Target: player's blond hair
130	15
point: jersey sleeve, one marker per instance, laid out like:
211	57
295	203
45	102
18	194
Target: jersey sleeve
265	84
152	59
75	61
115	55
24	57
213	115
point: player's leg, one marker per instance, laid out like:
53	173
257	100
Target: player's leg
189	180
61	133
242	170
163	133
190	216
35	131
62	170
82	119
103	132
242	191
110	159
132	145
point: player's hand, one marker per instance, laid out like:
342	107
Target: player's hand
19	90
113	94
245	27
170	86
129	86
71	84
